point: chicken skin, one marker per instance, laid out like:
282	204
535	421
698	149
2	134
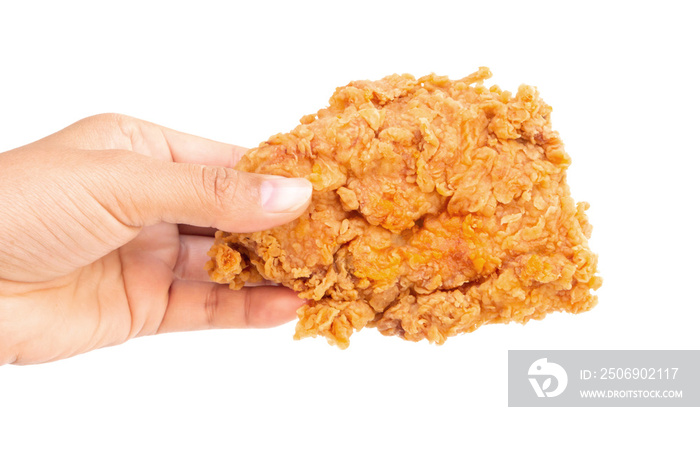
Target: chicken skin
438	206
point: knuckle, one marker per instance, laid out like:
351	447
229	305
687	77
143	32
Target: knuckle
247	308
116	123
107	119
221	184
211	305
183	256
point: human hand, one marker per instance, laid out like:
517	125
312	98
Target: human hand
93	247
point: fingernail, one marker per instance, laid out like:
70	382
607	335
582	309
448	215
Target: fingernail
280	195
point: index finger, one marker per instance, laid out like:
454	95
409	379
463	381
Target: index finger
186	148
114	131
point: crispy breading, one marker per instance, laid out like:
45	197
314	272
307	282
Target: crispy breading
438	206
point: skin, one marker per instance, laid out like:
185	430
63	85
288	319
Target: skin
104	230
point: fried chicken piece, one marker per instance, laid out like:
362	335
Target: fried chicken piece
438	206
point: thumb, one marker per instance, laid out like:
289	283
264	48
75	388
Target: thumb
148	191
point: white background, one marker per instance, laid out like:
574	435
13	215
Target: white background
622	80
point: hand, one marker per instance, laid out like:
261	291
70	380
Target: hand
93	251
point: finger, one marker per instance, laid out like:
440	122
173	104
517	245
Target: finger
194	306
186	148
189	230
141	191
192	258
120	132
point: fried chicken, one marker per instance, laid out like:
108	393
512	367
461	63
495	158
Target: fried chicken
438	206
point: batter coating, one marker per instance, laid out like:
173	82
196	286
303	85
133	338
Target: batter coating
438	206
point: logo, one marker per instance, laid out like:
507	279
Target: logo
545	371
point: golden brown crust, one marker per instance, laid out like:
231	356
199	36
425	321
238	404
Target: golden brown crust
438	206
